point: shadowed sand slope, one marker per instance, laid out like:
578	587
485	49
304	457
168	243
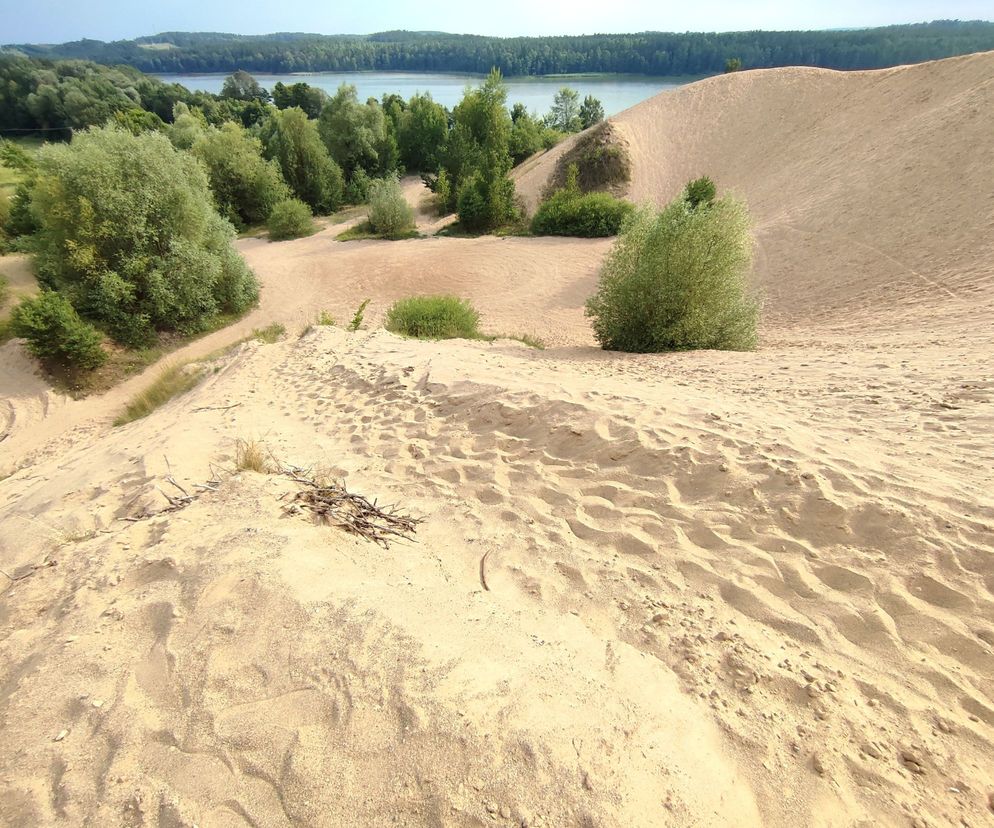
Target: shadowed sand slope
696	589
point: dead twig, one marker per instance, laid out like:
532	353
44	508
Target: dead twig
176	502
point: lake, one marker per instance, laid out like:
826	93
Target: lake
615	92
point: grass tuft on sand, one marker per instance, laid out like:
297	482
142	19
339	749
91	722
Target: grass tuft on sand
173	381
251	455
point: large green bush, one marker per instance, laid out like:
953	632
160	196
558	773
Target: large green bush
677	280
568	212
389	212
290	219
129	234
434	317
55	331
245	185
293	141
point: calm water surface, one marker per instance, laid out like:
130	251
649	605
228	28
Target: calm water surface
616	92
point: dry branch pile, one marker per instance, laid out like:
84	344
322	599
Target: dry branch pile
336	506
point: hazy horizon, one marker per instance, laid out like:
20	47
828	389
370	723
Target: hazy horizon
50	21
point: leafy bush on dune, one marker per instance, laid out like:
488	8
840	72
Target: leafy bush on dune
602	159
55	331
389	212
677	280
290	219
434	317
568	212
701	191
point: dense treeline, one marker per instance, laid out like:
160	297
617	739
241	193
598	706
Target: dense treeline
61	96
650	53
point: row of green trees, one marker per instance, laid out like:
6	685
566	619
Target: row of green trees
652	53
261	147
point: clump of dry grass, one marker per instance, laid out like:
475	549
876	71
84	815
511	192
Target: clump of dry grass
173	381
252	455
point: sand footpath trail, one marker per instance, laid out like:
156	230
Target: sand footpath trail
698	589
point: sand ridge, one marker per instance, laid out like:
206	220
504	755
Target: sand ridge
719	588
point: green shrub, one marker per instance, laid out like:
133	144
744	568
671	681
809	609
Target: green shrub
4	290
389	212
325	318
434	317
357	191
676	280
290	219
600	156
357	317
443	193
20	220
569	213
701	191
55	331
471	204
129	233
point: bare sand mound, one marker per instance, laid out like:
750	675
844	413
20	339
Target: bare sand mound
872	191
664	590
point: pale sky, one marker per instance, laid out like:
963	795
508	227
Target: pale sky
55	21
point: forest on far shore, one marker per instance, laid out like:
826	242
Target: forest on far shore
648	53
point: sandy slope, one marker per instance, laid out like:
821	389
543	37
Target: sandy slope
720	588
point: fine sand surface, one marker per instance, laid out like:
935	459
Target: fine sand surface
664	590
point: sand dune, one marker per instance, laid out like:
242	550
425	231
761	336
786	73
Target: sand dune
717	589
873	192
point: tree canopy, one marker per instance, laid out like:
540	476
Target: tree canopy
650	53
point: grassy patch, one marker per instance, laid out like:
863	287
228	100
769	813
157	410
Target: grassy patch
434	317
345	214
364	230
457	231
270	334
527	339
325	318
173	381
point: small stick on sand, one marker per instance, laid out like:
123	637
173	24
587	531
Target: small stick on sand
483	571
217	407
